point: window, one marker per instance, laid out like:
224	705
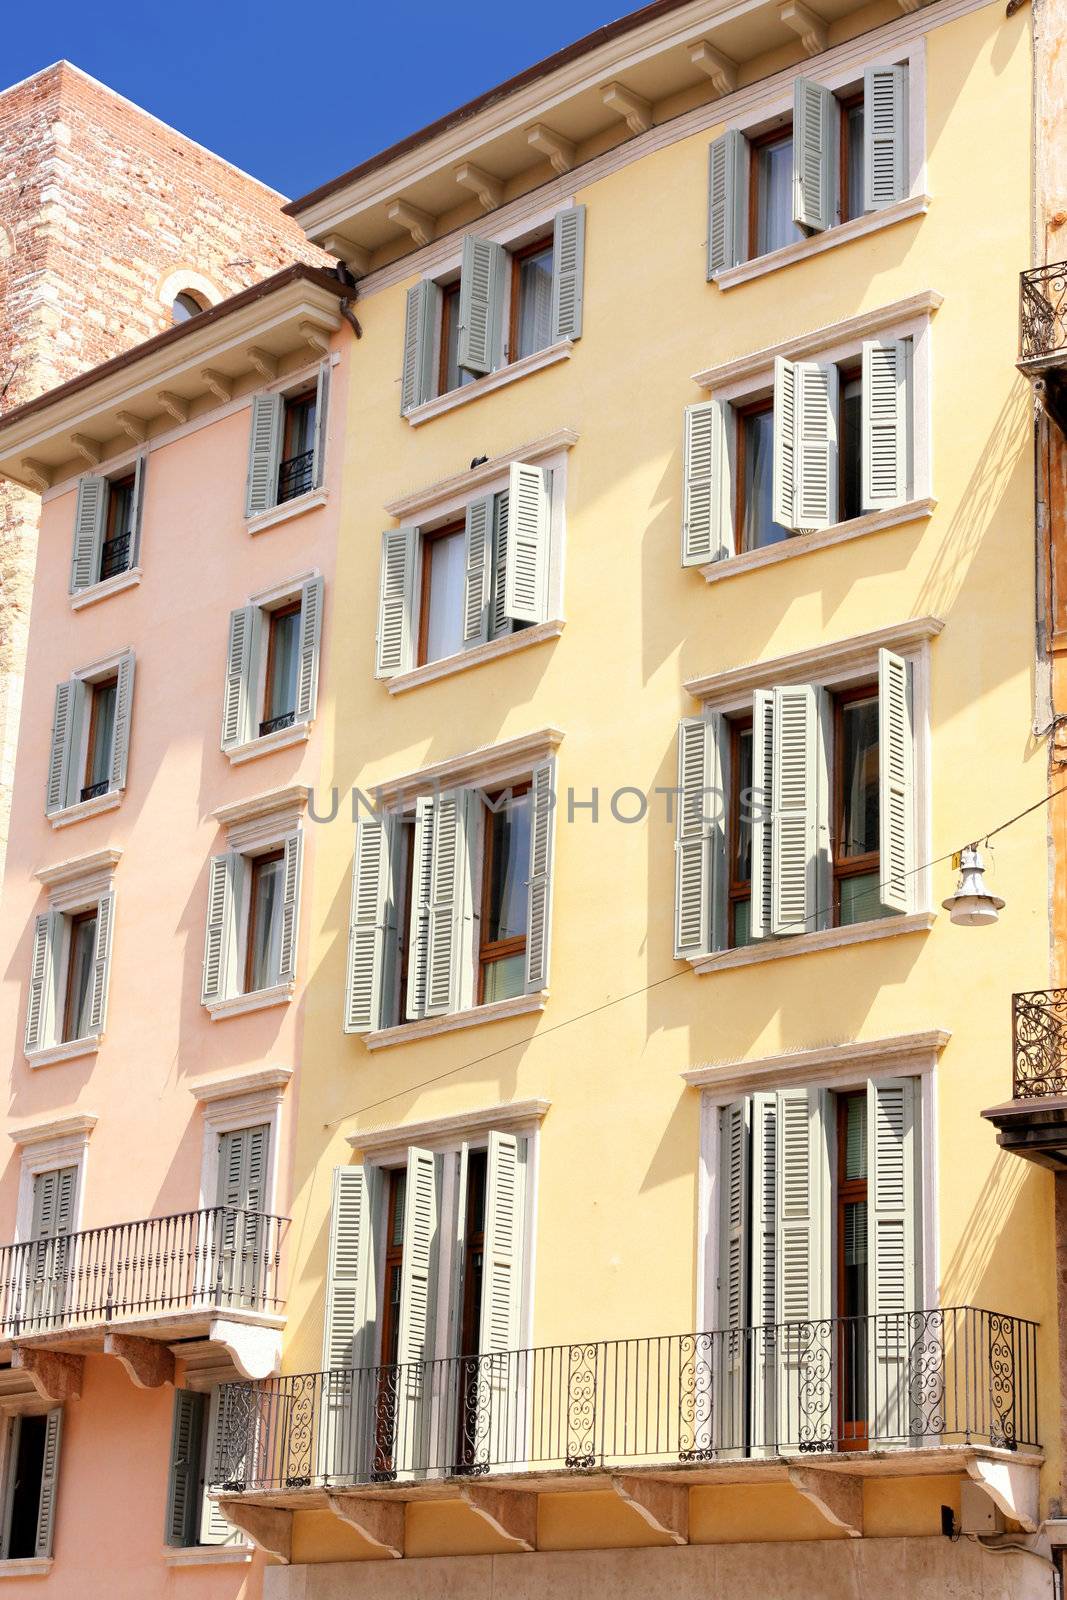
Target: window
755	477
272	665
468	848
253	917
186	305
287	445
81	953
508	304
818	827
100	742
266	892
31	1484
448	588
842	154
853	1296
193	1518
107	527
90	735
70	973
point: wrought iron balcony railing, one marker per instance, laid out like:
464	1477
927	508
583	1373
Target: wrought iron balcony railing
1039	1044
1043	312
922	1378
217	1259
115	555
275	724
295	475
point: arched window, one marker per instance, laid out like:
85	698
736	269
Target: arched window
186	305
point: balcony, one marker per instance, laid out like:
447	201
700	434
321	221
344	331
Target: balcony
129	1289
1043	335
1033	1123
818	1404
296	475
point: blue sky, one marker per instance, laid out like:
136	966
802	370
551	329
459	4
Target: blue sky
295	94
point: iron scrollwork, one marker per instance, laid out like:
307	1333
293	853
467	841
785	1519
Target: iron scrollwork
1039	1064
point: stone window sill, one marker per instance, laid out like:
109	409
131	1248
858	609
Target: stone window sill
913	205
287	510
808	943
802	544
492	380
498	1011
448	666
49	1054
26	1567
103	591
282	739
207	1555
237	1005
86	808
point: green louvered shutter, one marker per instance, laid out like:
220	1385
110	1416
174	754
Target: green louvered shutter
450	953
66	721
90	515
290	912
372	927
46	1505
885	136
816	134
417	1311
140	473
528	525
734	1315
105	919
186	1449
886	448
349	1393
214	1528
727	201
896	784
568	270
500	1327
700	835
40	1004
220	934
539	884
764	1312
241	665
307	682
707	496
264	453
478	569
419	910
120	738
481	300
761	914
800	829
395	644
892	1250
420	331
803	1299
322	408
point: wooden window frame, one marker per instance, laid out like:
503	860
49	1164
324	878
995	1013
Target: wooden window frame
491	951
846	103
535	248
427	538
449	309
738	889
385	1407
75	920
110	682
126	480
846	866
256	863
852	1432
294	404
757	143
850	371
289	609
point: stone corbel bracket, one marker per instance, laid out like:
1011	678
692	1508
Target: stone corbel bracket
132	425
558	150
356	257
175	405
268	1528
664	1506
379	1522
805	22
635	112
510	1513
418	223
490	190
256	1352
720	68
56	1376
218	383
264	363
1011	1485
838	1495
39	475
149	1364
316	336
91	449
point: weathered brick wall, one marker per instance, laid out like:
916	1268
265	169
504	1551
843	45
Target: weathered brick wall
99	205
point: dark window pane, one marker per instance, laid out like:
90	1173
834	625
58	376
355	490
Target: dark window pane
859	758
280	698
455	377
25	1491
186	305
742	871
855	1137
774	196
853	194
741	932
860	898
758	525
534	320
504	979
400	1185
508	846
851	449
101	734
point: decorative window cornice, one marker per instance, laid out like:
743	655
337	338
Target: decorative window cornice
78	1126
263	1081
853	1059
423	502
492	764
390	1139
80	880
263	819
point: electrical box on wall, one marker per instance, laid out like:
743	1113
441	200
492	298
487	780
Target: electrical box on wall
978	1514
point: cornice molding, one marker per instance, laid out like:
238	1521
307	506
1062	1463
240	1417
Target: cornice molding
79	1124
905	1053
422	501
390	1138
76	868
494	763
254	1080
273	802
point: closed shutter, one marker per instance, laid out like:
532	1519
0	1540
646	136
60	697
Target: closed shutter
539	884
707	495
886	444
800	826
54	1194
220	935
186	1447
372	927
120	742
322	405
734	1315
816	133
764	1305
478	569
481	298
896	784
727	201
761	914
140	472
700	833
350	1388
242	1195
805	1405
66	720
395	646
40	1005
805	443
294	852
419	910
264	452
450	956
499	1332
526	561
90	515
46	1505
307	683
105	917
242	1184
568	270
885	136
214	1529
417	1310
892	1253
241	662
420	329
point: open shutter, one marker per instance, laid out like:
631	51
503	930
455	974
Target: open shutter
568	269
885	136
105	917
372	930
90	514
816	132
240	659
498	616
526	561
264	453
120	742
700	833
220	936
727	201
763	1304
892	1256
784	464
539	884
186	1445
417	1310
481	298
322	406
40	1006
214	1528
294	851
350	1393
815	450
800	826
140	471
396	603
46	1505
420	328
896	783
734	1316
803	1353
65	720
762	812
419	910
499	1332
707	497
307	684
450	954
478	569
885	422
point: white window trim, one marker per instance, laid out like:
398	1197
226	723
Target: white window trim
27	1567
802	544
78	810
253	826
287	510
104	590
493	765
561	351
444	496
45	1147
187	280
298	732
480	655
519	1005
248	1100
833	1067
73	886
912	205
388	1141
208	1555
239	1005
